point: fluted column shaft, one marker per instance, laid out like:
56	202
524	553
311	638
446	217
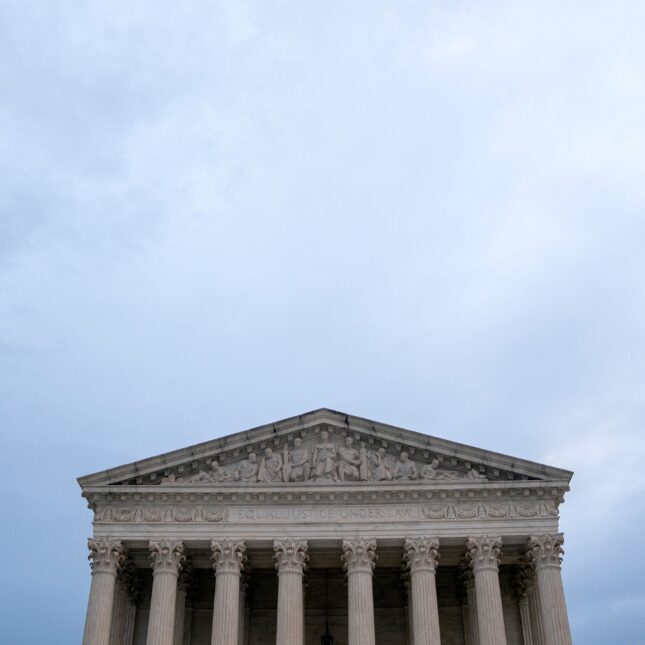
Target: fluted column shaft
118	613
167	557
359	555
291	558
106	557
522	584
228	558
130	617
241	619
422	555
525	617
473	625
484	553
537	626
183	582
545	552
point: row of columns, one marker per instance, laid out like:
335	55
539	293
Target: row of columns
110	619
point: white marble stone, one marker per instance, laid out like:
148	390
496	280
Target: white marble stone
484	553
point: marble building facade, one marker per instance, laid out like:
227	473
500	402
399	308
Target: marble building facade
327	524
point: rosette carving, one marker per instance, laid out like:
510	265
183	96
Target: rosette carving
106	555
421	554
166	556
484	552
359	554
228	555
290	556
545	550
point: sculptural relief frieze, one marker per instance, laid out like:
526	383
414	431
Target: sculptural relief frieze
324	459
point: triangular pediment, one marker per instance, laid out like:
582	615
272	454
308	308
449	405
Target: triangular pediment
324	446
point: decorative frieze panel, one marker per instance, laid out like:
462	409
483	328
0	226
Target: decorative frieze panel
325	513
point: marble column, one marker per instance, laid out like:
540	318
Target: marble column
521	587
537	626
166	557
118	612
183	582
106	557
422	555
359	556
484	553
130	577
228	559
545	552
241	630
405	578
471	631
291	559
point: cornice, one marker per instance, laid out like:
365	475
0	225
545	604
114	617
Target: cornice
337	493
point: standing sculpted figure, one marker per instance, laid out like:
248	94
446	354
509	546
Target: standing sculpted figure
380	471
247	471
405	469
364	469
270	467
295	466
349	461
324	460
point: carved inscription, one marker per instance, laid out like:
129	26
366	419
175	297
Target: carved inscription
324	514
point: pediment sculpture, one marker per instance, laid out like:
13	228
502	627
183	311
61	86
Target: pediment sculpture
324	461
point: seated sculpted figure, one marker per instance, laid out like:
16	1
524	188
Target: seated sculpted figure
349	462
324	459
215	474
247	471
431	471
295	464
405	469
473	473
380	470
270	467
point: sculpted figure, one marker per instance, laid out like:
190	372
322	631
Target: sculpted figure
364	469
380	471
247	471
349	461
214	474
324	460
270	467
296	466
405	469
473	473
431	471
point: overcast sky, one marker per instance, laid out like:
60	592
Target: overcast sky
219	214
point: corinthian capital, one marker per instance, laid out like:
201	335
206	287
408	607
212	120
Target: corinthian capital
166	556
421	554
545	550
290	555
484	552
359	554
228	556
106	555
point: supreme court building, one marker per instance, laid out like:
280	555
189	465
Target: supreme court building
327	528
